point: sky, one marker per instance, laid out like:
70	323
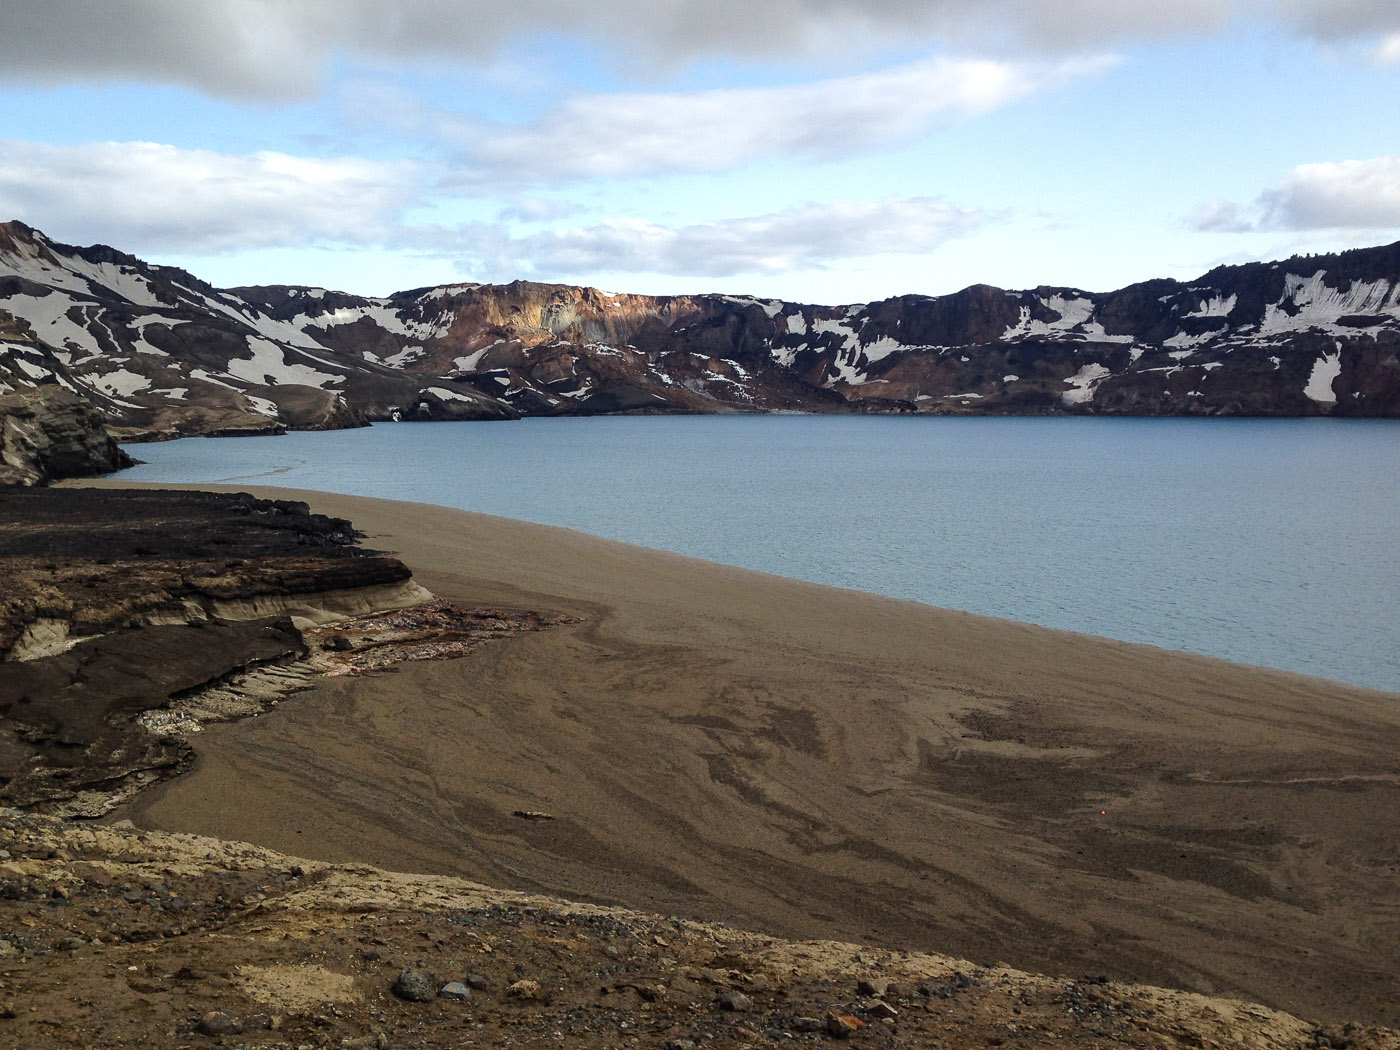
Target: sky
819	151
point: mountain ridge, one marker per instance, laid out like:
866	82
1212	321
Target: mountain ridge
165	354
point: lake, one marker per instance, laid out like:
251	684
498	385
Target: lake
1270	542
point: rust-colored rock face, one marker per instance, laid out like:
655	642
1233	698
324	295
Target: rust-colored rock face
165	354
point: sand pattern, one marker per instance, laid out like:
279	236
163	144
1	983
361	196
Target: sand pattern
802	761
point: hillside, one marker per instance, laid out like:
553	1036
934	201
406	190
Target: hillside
164	353
147	939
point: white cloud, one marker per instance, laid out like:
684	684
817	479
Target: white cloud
1387	51
1349	194
155	198
1334	195
282	49
639	134
809	236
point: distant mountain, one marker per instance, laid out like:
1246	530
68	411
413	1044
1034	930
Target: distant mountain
165	353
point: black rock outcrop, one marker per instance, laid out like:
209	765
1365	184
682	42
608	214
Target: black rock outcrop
47	433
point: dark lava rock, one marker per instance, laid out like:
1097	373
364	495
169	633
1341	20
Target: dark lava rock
415	986
736	1002
217	1022
141	574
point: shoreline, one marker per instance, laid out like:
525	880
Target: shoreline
812	762
1216	582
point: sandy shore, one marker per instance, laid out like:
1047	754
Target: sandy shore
721	744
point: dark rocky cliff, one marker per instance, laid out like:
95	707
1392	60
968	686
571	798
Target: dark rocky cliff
47	433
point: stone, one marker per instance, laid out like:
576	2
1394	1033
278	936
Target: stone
808	1024
881	1009
479	981
870	988
525	989
842	1026
455	990
415	986
735	1002
218	1022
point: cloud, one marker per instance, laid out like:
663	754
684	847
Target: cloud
537	209
1337	195
1220	216
283	49
156	198
1387	51
1349	194
633	134
803	237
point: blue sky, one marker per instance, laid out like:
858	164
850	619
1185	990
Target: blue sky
828	151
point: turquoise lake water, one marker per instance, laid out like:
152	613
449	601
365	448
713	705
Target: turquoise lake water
1272	542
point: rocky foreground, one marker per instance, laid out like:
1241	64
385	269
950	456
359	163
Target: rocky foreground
114	937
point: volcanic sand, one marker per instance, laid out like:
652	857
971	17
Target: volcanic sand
810	762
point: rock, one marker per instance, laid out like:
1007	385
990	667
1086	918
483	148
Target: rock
842	1026
415	986
47	433
870	988
455	991
881	1009
217	1022
735	1002
339	643
525	989
478	981
681	1044
808	1024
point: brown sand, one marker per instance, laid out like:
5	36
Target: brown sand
805	761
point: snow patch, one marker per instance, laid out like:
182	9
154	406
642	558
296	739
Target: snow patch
1083	383
1325	371
1215	306
449	395
120	382
270	360
1319	305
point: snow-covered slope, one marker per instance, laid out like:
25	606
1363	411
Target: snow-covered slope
163	351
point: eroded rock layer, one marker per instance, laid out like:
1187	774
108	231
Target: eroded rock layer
120	601
48	433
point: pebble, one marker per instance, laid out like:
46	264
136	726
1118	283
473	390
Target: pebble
736	1002
415	986
455	990
875	988
478	981
217	1022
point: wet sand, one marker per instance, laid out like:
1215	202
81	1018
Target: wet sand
795	759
